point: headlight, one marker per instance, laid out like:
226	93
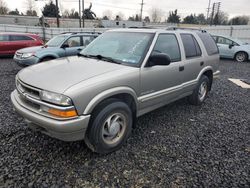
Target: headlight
55	98
27	55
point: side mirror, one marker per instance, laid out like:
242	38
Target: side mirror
65	46
159	59
230	46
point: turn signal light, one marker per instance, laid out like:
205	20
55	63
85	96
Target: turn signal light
63	114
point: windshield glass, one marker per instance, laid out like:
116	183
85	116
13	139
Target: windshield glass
56	41
125	47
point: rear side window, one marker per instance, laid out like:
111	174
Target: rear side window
209	43
4	38
191	46
168	44
19	38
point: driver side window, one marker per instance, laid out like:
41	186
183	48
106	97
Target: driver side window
168	44
73	42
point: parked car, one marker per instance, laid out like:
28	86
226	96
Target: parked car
232	48
11	42
63	45
121	75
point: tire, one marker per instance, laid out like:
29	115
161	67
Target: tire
241	57
105	134
200	93
47	59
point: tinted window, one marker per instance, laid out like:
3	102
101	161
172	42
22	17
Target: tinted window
19	38
4	37
209	43
191	46
74	42
168	44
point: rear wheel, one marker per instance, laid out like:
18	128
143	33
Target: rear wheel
110	126
241	57
200	93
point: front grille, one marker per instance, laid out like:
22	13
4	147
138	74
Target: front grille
25	89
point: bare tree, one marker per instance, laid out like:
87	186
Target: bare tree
30	5
108	14
120	15
156	14
3	7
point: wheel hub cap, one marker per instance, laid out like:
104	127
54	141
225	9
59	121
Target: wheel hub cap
202	91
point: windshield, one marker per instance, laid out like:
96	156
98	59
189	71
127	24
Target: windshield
56	41
125	47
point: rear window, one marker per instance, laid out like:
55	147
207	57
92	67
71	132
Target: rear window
191	46
4	38
209	43
19	38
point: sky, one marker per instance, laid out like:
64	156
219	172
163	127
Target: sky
132	7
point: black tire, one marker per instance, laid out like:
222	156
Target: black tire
47	59
95	138
241	57
196	98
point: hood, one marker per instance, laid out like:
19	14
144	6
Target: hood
34	49
60	74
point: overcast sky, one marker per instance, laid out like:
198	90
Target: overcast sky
132	7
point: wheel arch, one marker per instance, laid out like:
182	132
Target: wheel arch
52	56
207	71
125	94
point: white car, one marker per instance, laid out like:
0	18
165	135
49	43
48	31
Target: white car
232	48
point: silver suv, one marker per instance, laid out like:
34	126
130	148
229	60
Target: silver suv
123	74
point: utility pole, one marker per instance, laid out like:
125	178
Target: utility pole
208	10
142	3
80	17
57	14
83	24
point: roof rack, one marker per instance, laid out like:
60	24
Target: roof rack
143	27
87	32
186	28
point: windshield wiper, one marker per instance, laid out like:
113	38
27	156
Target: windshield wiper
104	58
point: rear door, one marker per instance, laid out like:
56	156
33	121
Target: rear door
193	63
20	41
74	45
4	45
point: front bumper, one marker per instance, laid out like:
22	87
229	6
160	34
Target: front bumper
29	61
66	130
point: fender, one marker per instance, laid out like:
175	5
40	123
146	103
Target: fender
208	68
108	93
49	55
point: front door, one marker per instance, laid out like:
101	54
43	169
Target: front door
224	47
160	84
74	46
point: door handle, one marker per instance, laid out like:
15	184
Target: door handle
181	68
202	63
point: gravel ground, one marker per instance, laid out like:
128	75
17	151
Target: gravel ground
176	146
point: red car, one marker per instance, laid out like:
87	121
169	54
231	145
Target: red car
11	42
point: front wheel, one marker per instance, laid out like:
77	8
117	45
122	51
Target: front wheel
200	93
110	127
241	57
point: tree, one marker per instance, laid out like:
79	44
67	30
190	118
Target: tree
50	10
14	12
105	18
201	19
191	19
107	14
220	18
147	19
3	7
173	17
31	13
156	14
239	20
120	15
